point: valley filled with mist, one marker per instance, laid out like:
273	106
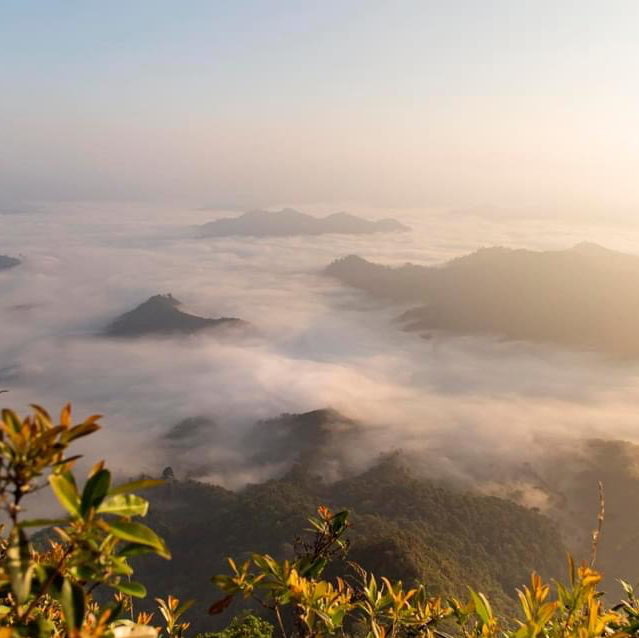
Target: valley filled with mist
237	361
319	320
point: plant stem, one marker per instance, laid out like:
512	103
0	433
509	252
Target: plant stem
46	585
279	619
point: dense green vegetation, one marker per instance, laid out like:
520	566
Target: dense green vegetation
434	548
250	626
401	526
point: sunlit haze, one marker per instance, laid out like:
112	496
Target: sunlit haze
246	104
380	257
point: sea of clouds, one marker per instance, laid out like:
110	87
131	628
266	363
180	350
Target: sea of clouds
470	409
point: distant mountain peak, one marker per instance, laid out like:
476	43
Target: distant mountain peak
350	260
7	262
288	437
167	299
591	248
159	314
289	222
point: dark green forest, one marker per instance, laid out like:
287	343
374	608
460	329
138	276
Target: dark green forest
406	528
387	555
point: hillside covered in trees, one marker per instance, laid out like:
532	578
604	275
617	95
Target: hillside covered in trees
406	528
161	315
434	548
585	297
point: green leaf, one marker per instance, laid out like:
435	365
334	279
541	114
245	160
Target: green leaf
83	572
43	522
132	588
482	607
138	533
49	574
134	549
338	522
95	490
66	492
73	604
317	567
124	505
134	486
46	628
312	568
19	565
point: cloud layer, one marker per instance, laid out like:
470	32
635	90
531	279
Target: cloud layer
465	408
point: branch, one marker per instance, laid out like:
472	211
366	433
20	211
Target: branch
600	519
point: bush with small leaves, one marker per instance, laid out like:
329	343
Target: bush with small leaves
357	604
249	626
49	593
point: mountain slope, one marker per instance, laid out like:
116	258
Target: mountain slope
160	315
403	527
289	222
585	297
7	262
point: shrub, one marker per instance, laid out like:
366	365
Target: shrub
50	592
358	603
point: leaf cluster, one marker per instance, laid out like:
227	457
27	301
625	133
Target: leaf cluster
49	592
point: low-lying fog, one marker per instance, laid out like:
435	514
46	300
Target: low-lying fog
467	406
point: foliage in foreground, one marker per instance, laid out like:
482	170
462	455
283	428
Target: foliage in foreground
50	593
360	604
403	526
250	626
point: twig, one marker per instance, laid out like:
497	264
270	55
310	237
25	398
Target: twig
597	532
279	620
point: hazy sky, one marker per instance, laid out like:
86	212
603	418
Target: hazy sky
255	103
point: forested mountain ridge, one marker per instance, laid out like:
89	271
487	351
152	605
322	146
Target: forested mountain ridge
403	527
289	222
325	442
586	297
160	315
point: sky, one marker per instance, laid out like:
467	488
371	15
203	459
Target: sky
252	103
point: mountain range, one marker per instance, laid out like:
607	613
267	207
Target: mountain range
586	297
403	527
160	315
289	222
407	522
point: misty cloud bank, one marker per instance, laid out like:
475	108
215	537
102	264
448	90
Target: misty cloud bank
481	412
